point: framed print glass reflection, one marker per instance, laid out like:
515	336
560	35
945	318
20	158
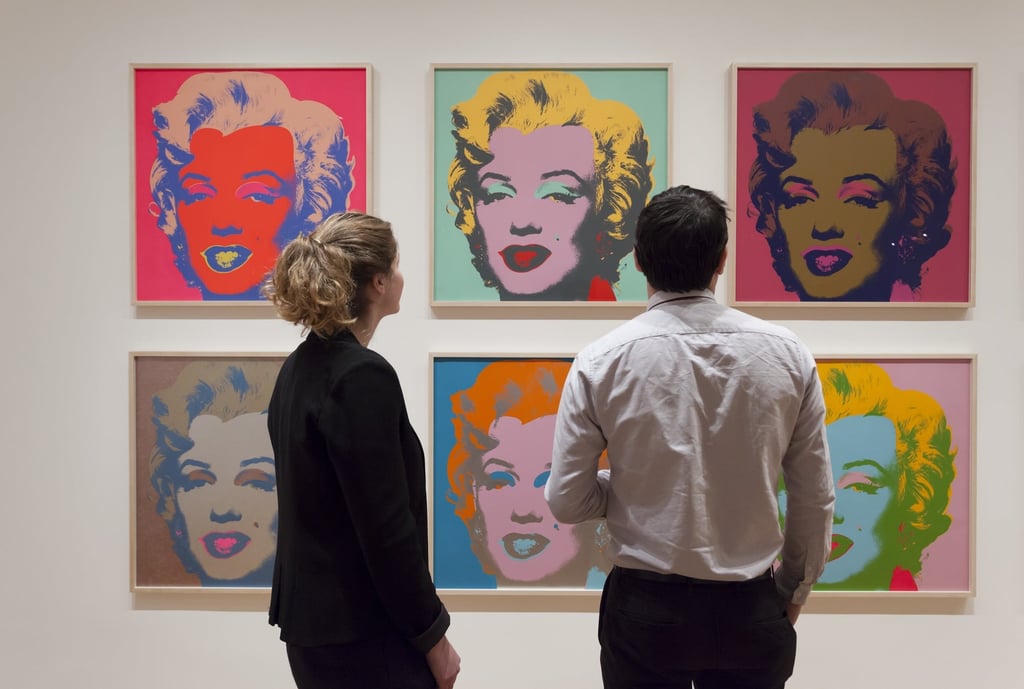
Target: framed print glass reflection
232	163
853	185
901	441
493	429
204	482
539	173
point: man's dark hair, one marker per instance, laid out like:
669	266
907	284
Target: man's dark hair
680	237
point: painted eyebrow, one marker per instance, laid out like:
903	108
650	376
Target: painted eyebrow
794	178
495	175
195	463
264	173
196	175
867	176
256	460
498	461
559	173
864	463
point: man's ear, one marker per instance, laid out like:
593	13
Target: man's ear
721	262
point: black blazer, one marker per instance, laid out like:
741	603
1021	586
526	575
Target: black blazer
352	513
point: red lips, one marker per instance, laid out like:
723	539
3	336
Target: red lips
840	544
523	259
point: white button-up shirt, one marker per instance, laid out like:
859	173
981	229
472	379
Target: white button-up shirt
702	409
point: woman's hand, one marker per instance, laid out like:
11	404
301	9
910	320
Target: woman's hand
444	663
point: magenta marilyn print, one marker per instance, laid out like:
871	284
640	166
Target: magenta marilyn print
853	185
539	175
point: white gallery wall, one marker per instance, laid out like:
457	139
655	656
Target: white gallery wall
67	617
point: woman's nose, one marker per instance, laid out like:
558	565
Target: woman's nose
832	232
224	216
524	231
522	217
528	518
824	220
226	517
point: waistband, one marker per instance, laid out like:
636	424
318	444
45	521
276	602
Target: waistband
647	575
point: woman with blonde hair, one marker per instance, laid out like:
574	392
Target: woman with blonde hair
352	591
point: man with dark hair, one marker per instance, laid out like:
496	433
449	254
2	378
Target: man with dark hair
702	410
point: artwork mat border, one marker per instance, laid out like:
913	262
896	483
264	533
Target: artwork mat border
134	357
494	309
585	600
735	68
367	165
514	594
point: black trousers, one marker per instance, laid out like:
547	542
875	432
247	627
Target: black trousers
383	663
665	631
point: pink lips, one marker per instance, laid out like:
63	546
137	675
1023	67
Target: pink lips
524	258
826	261
224	545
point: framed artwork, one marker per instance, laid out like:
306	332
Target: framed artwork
853	185
232	163
901	440
493	428
539	174
203	478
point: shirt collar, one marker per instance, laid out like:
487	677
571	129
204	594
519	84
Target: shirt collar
342	335
663	296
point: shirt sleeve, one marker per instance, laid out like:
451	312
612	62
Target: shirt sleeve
810	496
361	422
577	491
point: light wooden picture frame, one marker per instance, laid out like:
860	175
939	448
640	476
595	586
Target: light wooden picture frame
539	209
902	444
231	162
852	185
203	477
478	544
